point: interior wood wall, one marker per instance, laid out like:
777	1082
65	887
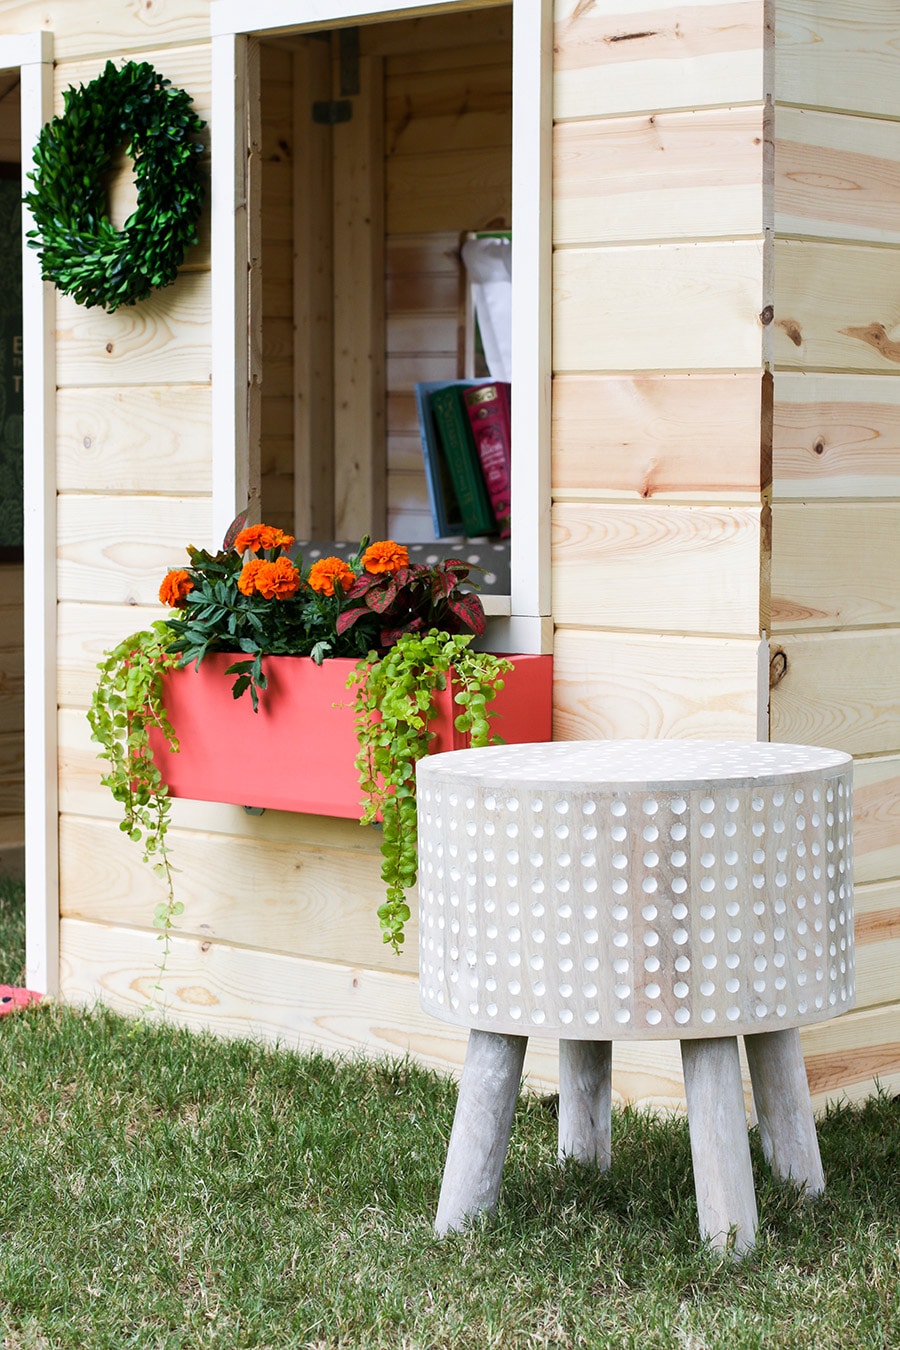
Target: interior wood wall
661	472
448	170
836	492
276	66
447	109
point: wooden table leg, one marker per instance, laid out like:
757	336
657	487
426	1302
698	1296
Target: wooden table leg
720	1149
787	1126
585	1101
481	1127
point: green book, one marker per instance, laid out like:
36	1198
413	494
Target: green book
461	455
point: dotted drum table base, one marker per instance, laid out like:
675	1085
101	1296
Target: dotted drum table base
596	891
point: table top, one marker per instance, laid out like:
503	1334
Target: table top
652	763
635	889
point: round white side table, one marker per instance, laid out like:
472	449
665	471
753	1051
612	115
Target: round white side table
594	891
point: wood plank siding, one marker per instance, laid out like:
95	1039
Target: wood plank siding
725	451
836	493
659	462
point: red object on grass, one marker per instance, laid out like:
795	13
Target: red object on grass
12	997
297	753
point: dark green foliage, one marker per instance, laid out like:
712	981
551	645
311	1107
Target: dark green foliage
81	251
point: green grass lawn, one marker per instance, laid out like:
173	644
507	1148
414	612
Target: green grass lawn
12	931
163	1189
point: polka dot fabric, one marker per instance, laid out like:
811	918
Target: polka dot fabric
631	890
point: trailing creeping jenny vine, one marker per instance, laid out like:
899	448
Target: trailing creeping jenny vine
126	703
394	703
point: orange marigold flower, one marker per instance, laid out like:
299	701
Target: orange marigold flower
327	573
385	556
277	580
176	587
247	579
259	537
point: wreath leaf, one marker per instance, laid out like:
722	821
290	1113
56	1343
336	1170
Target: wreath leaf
80	250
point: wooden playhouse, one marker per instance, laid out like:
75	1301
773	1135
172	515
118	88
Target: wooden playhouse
704	201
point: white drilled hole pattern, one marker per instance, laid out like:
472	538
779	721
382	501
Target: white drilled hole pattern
631	890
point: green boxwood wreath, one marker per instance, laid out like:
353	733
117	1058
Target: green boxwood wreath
81	251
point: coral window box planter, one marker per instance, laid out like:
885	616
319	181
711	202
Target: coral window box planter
297	753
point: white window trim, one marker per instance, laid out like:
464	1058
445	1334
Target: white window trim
32	53
529	627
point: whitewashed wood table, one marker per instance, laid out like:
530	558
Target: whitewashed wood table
595	891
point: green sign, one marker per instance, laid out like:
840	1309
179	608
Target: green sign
11	424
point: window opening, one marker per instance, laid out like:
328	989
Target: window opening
409	123
342	495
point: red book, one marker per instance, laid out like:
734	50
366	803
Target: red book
488	409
